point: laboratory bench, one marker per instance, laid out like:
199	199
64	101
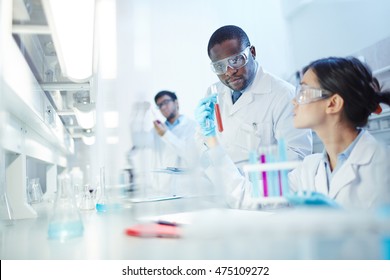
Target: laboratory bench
208	232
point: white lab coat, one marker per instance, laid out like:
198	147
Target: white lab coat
176	148
363	181
261	116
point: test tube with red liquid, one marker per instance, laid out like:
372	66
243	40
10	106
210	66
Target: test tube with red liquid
217	110
218	116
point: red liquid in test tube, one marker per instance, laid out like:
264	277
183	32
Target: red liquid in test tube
218	117
217	110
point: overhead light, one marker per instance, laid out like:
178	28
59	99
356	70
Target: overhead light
71	23
106	38
85	115
88	137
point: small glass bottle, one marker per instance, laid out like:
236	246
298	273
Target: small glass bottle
87	201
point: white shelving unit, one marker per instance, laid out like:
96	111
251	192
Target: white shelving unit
30	126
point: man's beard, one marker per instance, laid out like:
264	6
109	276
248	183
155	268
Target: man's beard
171	116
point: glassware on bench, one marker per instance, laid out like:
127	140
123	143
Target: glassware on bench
65	222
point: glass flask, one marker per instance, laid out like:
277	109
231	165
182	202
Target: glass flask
34	191
87	201
65	222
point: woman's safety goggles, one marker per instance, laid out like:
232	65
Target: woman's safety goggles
305	94
235	61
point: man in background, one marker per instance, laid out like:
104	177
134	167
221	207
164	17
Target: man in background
166	150
175	133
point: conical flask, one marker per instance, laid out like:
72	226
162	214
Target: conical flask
65	222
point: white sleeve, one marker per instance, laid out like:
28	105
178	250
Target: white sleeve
294	178
224	174
184	146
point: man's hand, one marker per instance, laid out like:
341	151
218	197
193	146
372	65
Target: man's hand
204	115
160	127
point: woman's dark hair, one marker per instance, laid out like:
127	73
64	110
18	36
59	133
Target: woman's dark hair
353	81
228	32
171	94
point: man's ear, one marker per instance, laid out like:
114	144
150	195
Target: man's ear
253	51
335	104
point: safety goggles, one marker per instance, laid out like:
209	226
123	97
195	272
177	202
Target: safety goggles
235	61
305	94
163	103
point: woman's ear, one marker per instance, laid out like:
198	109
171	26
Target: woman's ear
335	104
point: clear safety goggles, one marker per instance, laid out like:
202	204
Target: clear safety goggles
305	94
163	103
235	61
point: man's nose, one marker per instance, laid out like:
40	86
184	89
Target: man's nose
230	71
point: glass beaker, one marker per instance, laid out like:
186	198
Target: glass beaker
65	222
34	191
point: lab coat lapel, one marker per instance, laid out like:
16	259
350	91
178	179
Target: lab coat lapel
320	181
261	85
242	102
361	155
345	175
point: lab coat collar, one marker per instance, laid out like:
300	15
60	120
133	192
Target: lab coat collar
260	85
262	82
360	155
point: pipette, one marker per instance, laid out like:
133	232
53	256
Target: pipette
216	109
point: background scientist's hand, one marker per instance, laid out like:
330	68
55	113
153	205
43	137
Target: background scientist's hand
311	199
160	127
204	115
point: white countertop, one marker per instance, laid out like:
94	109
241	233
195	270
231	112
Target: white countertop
210	233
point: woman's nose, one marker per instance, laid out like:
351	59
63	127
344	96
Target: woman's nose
294	101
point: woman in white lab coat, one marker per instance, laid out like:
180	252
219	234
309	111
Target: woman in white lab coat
335	99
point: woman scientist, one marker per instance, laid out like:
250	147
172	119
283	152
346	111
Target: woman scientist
334	99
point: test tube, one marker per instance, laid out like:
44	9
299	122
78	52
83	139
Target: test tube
218	116
217	110
254	176
283	174
264	176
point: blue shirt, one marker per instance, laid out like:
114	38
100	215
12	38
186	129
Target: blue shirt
341	158
175	123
